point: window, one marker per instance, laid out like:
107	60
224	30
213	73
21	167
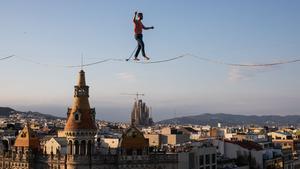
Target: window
201	160
81	92
213	167
76	117
208	167
207	159
213	158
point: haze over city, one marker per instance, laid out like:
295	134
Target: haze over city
57	32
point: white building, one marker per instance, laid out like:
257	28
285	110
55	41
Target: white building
249	152
56	145
109	145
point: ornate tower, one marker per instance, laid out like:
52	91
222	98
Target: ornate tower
80	128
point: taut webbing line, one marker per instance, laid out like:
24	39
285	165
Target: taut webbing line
7	57
166	60
61	66
246	65
154	62
219	62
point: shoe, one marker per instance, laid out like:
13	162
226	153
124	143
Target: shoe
146	58
137	59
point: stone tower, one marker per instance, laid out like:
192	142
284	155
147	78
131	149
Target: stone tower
80	129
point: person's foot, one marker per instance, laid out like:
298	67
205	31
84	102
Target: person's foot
146	58
137	59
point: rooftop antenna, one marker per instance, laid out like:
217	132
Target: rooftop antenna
81	64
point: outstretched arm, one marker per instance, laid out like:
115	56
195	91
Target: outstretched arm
134	18
146	28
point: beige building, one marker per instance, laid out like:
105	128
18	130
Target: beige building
173	136
110	142
285	140
280	136
154	139
61	133
108	145
56	145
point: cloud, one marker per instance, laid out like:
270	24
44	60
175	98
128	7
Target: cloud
235	74
126	76
246	73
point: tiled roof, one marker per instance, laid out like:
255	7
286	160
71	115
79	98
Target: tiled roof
247	144
27	138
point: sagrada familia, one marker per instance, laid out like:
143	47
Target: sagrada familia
80	130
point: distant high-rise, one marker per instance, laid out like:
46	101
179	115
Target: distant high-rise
140	115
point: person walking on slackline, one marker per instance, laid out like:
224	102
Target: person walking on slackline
138	34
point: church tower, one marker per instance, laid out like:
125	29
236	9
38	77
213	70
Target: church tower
80	128
140	115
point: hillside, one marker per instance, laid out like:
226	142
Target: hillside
230	119
6	112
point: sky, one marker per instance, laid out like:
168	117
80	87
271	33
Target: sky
60	31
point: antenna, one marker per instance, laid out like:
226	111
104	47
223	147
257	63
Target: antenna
81	65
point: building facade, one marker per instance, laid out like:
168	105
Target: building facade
80	135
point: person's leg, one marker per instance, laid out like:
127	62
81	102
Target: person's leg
137	52
139	46
143	47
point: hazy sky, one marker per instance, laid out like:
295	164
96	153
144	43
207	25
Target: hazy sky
57	32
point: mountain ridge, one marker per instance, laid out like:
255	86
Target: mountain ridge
234	119
7	111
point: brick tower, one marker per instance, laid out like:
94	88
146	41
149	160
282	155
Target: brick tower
80	128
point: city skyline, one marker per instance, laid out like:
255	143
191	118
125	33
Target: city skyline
241	32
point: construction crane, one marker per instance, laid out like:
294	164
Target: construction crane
137	94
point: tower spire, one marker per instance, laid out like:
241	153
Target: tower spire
81	116
80	129
81	79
